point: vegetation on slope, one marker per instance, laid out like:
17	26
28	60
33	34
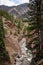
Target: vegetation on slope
6	15
3	53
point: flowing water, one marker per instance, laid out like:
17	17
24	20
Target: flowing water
25	57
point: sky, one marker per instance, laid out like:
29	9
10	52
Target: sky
13	2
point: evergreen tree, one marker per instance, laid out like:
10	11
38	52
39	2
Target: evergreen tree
3	53
35	28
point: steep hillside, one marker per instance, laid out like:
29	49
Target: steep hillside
9	40
12	32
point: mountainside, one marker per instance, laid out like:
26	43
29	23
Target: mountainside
11	35
18	11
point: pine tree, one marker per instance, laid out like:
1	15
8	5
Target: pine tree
3	53
35	28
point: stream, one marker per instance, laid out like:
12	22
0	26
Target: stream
25	57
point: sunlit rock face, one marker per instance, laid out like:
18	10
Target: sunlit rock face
25	57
